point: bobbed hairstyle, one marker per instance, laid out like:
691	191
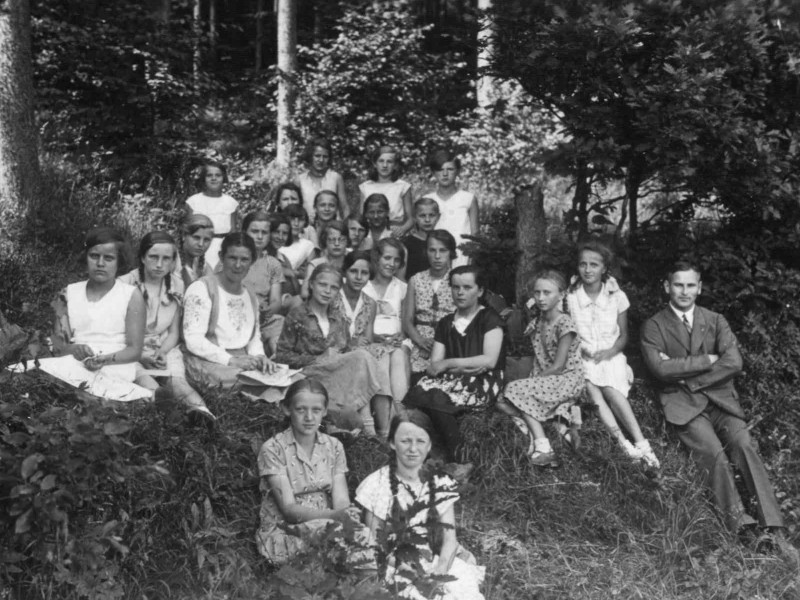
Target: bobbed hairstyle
446	238
477	272
295	211
334	225
425	201
257	216
304	385
439	157
203	171
376	154
353	257
238	239
286	185
109	235
275	221
313	144
376	199
380	247
682	265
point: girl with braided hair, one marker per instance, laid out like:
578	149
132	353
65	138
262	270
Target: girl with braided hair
411	518
197	232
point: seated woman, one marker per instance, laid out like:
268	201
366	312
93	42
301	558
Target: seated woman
333	241
162	291
265	278
315	338
298	250
101	321
302	474
220	320
360	311
386	289
428	298
467	360
401	493
288	193
197	232
280	235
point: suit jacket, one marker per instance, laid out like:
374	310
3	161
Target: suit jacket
688	379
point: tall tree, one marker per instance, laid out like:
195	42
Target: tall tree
19	161
287	66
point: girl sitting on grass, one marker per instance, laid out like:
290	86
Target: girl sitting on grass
302	474
556	382
415	511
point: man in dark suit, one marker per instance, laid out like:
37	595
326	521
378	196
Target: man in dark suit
694	355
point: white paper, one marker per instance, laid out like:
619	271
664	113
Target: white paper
281	378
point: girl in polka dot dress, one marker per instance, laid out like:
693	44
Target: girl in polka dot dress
557	381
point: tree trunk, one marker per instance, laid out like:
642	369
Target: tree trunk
19	159
259	35
197	35
531	232
484	84
212	31
287	65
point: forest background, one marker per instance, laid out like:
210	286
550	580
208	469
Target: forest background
668	127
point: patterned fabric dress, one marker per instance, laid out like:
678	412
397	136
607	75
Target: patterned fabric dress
550	396
434	301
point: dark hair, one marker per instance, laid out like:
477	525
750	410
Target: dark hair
148	241
295	211
191	225
376	154
256	216
275	221
201	174
304	385
286	185
380	247
397	513
109	235
238	239
683	265
477	272
331	225
358	219
425	201
439	157
322	193
353	257
376	199
446	238
313	144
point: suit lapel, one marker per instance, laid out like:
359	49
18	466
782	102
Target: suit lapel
677	329
699	331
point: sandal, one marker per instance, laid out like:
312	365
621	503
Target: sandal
543	459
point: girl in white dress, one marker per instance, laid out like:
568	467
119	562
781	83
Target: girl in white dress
458	208
319	176
217	206
384	178
418	512
599	309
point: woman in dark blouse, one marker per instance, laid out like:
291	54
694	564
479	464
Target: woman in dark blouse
467	360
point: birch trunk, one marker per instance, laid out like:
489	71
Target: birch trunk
287	65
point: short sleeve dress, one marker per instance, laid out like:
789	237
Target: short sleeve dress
375	495
433	301
311	478
550	396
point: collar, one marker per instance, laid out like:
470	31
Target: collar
610	286
290	439
680	314
333	314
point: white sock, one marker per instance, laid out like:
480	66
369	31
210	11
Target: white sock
542	445
643	445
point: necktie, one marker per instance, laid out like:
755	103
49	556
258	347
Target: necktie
687	325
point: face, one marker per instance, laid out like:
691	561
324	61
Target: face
324	288
546	294
466	292
377	215
389	262
411	445
236	263
326	207
336	244
591	267
280	236
438	256
385	165
683	288
446	176
427	217
357	276
195	244
320	159
159	260
298	225
356	232
259	232
288	197
214	179
102	262
306	411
